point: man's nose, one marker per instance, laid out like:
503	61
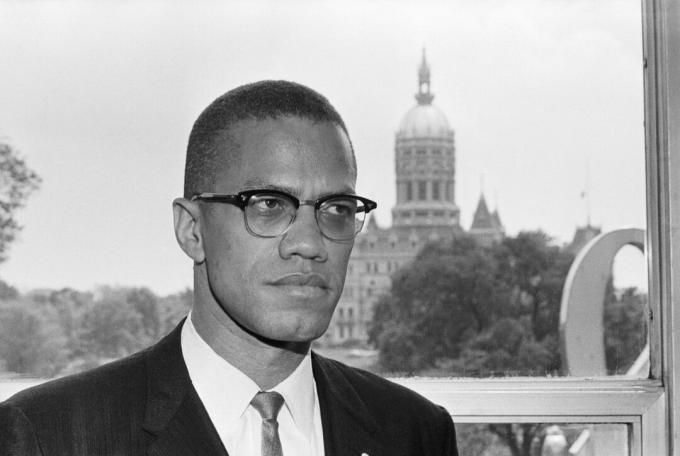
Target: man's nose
304	238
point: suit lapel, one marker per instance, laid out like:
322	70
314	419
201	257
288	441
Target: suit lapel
179	424
349	428
175	416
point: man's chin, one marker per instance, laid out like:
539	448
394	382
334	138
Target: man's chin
298	334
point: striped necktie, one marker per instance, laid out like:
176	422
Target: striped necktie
268	405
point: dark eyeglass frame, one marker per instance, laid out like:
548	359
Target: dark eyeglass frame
241	200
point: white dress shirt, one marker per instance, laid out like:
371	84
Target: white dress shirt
226	393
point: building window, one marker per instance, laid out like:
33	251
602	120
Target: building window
409	191
421	152
422	190
435	190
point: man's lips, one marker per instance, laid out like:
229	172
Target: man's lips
301	279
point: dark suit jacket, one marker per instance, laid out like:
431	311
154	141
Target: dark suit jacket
146	405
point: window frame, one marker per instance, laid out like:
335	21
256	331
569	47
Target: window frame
650	407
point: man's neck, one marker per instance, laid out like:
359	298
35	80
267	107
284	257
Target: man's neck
265	362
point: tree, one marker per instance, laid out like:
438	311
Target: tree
523	336
17	182
448	294
477	310
8	292
625	329
173	308
468	310
70	306
31	340
145	303
115	324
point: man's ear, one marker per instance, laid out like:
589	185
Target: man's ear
187	228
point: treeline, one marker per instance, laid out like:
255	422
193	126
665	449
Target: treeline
56	332
463	309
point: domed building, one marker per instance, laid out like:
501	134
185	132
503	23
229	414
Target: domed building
425	211
425	166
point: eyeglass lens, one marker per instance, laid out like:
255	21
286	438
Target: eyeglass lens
338	218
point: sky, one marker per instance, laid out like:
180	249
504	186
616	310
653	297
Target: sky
545	98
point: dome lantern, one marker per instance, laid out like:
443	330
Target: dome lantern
424	119
424	97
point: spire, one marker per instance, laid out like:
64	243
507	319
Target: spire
486	225
497	218
424	97
482	218
496	215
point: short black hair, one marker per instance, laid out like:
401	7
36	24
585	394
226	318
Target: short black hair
257	101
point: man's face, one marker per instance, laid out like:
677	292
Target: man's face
283	288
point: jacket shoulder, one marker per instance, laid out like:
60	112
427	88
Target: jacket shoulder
124	377
406	420
381	392
99	411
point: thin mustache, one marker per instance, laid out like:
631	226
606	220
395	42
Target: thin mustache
302	279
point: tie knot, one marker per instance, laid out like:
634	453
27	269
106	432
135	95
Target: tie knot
267	404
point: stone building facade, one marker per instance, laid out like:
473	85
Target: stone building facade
425	210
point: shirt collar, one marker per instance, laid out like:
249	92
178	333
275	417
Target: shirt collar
299	392
210	374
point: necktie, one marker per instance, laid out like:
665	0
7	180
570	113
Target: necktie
268	405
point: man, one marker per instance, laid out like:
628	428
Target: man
268	217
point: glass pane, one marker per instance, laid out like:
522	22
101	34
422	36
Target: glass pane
543	439
524	140
539	171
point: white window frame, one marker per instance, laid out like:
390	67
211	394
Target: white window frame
649	407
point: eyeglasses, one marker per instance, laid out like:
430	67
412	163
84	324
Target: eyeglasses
270	213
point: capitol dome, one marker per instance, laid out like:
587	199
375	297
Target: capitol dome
424	120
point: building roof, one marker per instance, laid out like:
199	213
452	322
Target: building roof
497	218
424	119
483	219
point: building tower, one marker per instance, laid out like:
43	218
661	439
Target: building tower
425	166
